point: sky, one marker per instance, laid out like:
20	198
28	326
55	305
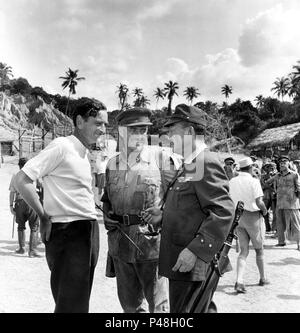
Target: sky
246	44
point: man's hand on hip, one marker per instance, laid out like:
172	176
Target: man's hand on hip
185	262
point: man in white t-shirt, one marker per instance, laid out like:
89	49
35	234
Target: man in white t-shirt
246	188
68	217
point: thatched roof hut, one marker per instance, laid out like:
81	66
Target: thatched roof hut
283	138
278	136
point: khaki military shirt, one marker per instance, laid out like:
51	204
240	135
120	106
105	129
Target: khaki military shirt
132	186
287	187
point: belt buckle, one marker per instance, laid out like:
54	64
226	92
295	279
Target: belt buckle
126	219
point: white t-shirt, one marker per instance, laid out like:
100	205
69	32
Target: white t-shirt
66	172
245	188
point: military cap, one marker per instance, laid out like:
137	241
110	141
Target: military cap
229	159
187	113
296	161
136	116
283	157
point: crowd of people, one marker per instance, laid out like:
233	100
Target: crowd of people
167	211
279	180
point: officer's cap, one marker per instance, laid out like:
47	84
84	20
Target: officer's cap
229	159
283	158
187	113
134	117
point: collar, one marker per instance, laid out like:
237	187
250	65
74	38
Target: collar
245	174
200	146
79	144
144	156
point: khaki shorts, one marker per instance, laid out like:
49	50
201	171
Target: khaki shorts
251	227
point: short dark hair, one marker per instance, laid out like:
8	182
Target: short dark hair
87	108
22	162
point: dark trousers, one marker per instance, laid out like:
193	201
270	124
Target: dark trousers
181	292
25	213
139	282
72	254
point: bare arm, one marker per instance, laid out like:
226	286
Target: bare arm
11	202
28	192
261	205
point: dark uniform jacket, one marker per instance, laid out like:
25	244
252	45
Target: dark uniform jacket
197	215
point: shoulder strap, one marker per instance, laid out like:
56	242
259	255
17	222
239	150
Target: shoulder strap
179	172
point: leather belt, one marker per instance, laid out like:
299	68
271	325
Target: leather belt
127	219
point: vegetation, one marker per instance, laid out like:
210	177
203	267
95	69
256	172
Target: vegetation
240	120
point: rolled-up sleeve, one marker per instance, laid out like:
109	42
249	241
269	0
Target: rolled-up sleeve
213	195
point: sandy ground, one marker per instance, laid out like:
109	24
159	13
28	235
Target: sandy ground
24	281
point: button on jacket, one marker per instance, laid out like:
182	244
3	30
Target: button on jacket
129	190
287	187
197	215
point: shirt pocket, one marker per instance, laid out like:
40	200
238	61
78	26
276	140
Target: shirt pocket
185	196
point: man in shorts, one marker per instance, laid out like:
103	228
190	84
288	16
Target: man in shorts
246	188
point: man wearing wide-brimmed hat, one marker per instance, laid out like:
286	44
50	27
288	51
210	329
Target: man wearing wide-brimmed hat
133	184
197	213
246	188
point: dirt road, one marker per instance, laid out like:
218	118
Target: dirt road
24	281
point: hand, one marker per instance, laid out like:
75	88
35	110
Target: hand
152	215
12	210
185	262
45	227
109	223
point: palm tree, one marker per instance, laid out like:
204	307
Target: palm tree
191	93
5	73
294	89
259	101
226	91
138	93
281	87
159	93
144	101
123	95
170	90
70	81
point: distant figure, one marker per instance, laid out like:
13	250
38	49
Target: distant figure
24	213
269	171
229	167
108	147
287	185
297	164
246	188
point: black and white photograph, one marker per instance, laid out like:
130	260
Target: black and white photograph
150	159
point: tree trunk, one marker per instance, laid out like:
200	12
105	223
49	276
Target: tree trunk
169	113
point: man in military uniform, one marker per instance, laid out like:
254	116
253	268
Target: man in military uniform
133	183
269	169
24	213
229	167
198	210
